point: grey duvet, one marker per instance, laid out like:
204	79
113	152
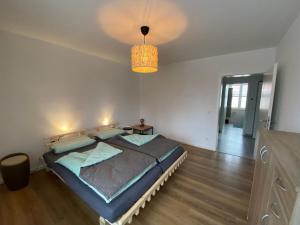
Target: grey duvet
159	148
113	176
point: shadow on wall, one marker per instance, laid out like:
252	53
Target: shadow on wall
122	20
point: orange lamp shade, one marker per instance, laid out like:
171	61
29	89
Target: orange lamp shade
144	58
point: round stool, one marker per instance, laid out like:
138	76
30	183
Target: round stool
15	169
128	130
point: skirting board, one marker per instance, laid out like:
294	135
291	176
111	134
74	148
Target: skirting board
141	203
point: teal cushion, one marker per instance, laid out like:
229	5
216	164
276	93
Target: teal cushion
138	139
76	160
102	152
108	133
73	161
67	145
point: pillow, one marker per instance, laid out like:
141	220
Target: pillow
71	144
108	133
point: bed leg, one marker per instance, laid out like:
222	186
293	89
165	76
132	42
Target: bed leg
102	221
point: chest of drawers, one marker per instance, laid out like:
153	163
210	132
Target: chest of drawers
275	195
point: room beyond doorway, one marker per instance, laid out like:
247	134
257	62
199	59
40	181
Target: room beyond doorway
238	115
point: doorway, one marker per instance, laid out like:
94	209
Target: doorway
238	114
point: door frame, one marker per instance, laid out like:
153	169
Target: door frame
219	99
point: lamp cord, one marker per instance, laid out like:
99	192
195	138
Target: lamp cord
147	11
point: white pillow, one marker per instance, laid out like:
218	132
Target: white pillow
108	133
72	143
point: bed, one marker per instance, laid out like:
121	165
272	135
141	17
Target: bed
121	209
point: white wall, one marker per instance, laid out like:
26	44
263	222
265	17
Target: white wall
181	100
46	90
287	103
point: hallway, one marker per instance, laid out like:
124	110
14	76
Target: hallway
232	141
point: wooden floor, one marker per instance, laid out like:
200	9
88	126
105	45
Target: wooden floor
208	189
233	142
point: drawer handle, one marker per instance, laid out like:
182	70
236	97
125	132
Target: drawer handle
263	152
274	210
278	181
264	219
262	148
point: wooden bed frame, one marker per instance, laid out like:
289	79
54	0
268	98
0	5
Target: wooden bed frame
141	203
52	140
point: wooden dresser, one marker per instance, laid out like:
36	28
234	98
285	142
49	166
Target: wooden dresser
275	196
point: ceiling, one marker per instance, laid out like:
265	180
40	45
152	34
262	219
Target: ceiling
182	29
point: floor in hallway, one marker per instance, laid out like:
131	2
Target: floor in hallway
232	141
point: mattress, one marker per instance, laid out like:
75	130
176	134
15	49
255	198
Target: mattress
167	162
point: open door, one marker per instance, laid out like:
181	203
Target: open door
267	98
223	107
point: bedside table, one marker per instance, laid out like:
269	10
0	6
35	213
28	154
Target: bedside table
142	129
